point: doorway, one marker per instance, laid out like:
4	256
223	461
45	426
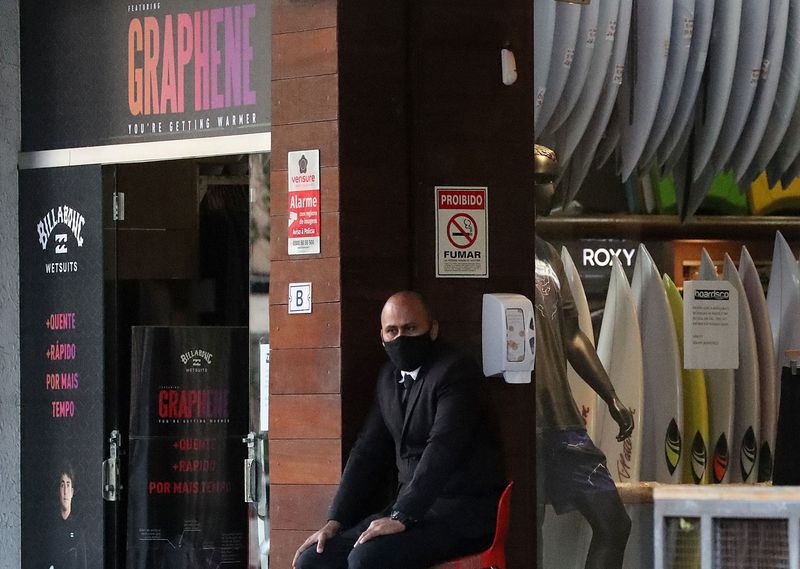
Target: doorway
187	253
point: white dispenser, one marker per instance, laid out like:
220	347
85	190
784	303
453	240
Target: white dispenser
509	337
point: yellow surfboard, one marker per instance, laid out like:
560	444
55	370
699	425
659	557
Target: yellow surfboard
696	467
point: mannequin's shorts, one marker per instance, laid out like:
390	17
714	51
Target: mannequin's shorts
569	466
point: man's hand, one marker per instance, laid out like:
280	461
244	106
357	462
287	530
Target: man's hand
319	537
381	526
623	417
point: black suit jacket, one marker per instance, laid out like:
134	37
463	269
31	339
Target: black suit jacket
447	459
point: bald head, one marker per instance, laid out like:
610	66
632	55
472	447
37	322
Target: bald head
406	314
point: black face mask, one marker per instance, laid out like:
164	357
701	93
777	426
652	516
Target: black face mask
409	352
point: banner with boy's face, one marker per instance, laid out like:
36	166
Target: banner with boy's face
62	391
189	408
97	73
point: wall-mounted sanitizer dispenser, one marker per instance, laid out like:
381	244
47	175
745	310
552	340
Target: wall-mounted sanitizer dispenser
509	337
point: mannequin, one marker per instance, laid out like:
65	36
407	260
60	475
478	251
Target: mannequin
571	472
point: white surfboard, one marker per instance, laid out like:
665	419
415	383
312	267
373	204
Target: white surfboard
609	142
698	53
783	301
544	18
788	175
568	17
584	53
785	99
640	95
749	62
768	384
570	132
585	397
746	425
663	393
788	150
584	153
721	393
767	90
619	348
679	49
720	66
749	59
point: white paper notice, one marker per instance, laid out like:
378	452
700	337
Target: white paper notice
710	325
263	360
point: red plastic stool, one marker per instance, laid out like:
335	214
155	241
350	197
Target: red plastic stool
495	556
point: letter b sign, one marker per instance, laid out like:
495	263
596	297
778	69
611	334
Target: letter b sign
299	298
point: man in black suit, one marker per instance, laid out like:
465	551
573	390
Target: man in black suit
429	420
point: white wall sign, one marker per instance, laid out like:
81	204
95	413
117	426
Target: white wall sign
710	325
461	234
304	203
299	298
263	358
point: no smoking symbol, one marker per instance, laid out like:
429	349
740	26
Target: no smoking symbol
462	231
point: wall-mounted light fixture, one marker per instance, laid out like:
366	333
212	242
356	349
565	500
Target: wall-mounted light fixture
508	65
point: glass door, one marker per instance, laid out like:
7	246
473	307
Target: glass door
179	297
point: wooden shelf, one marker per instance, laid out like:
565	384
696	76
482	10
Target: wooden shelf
666	227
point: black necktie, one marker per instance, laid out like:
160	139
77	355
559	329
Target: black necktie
408	381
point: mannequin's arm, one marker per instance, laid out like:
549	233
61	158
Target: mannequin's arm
583	357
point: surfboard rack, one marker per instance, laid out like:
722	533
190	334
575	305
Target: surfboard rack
666	227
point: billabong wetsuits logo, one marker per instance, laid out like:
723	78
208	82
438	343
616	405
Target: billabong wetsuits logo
197	360
55	228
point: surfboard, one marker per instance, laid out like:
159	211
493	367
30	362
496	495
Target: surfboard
566	538
609	142
788	151
749	60
565	35
698	53
766	93
720	67
584	53
783	301
721	393
639	98
663	394
695	402
544	17
585	397
679	49
767	373
789	175
584	153
746	423
570	132
785	107
619	348
749	63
